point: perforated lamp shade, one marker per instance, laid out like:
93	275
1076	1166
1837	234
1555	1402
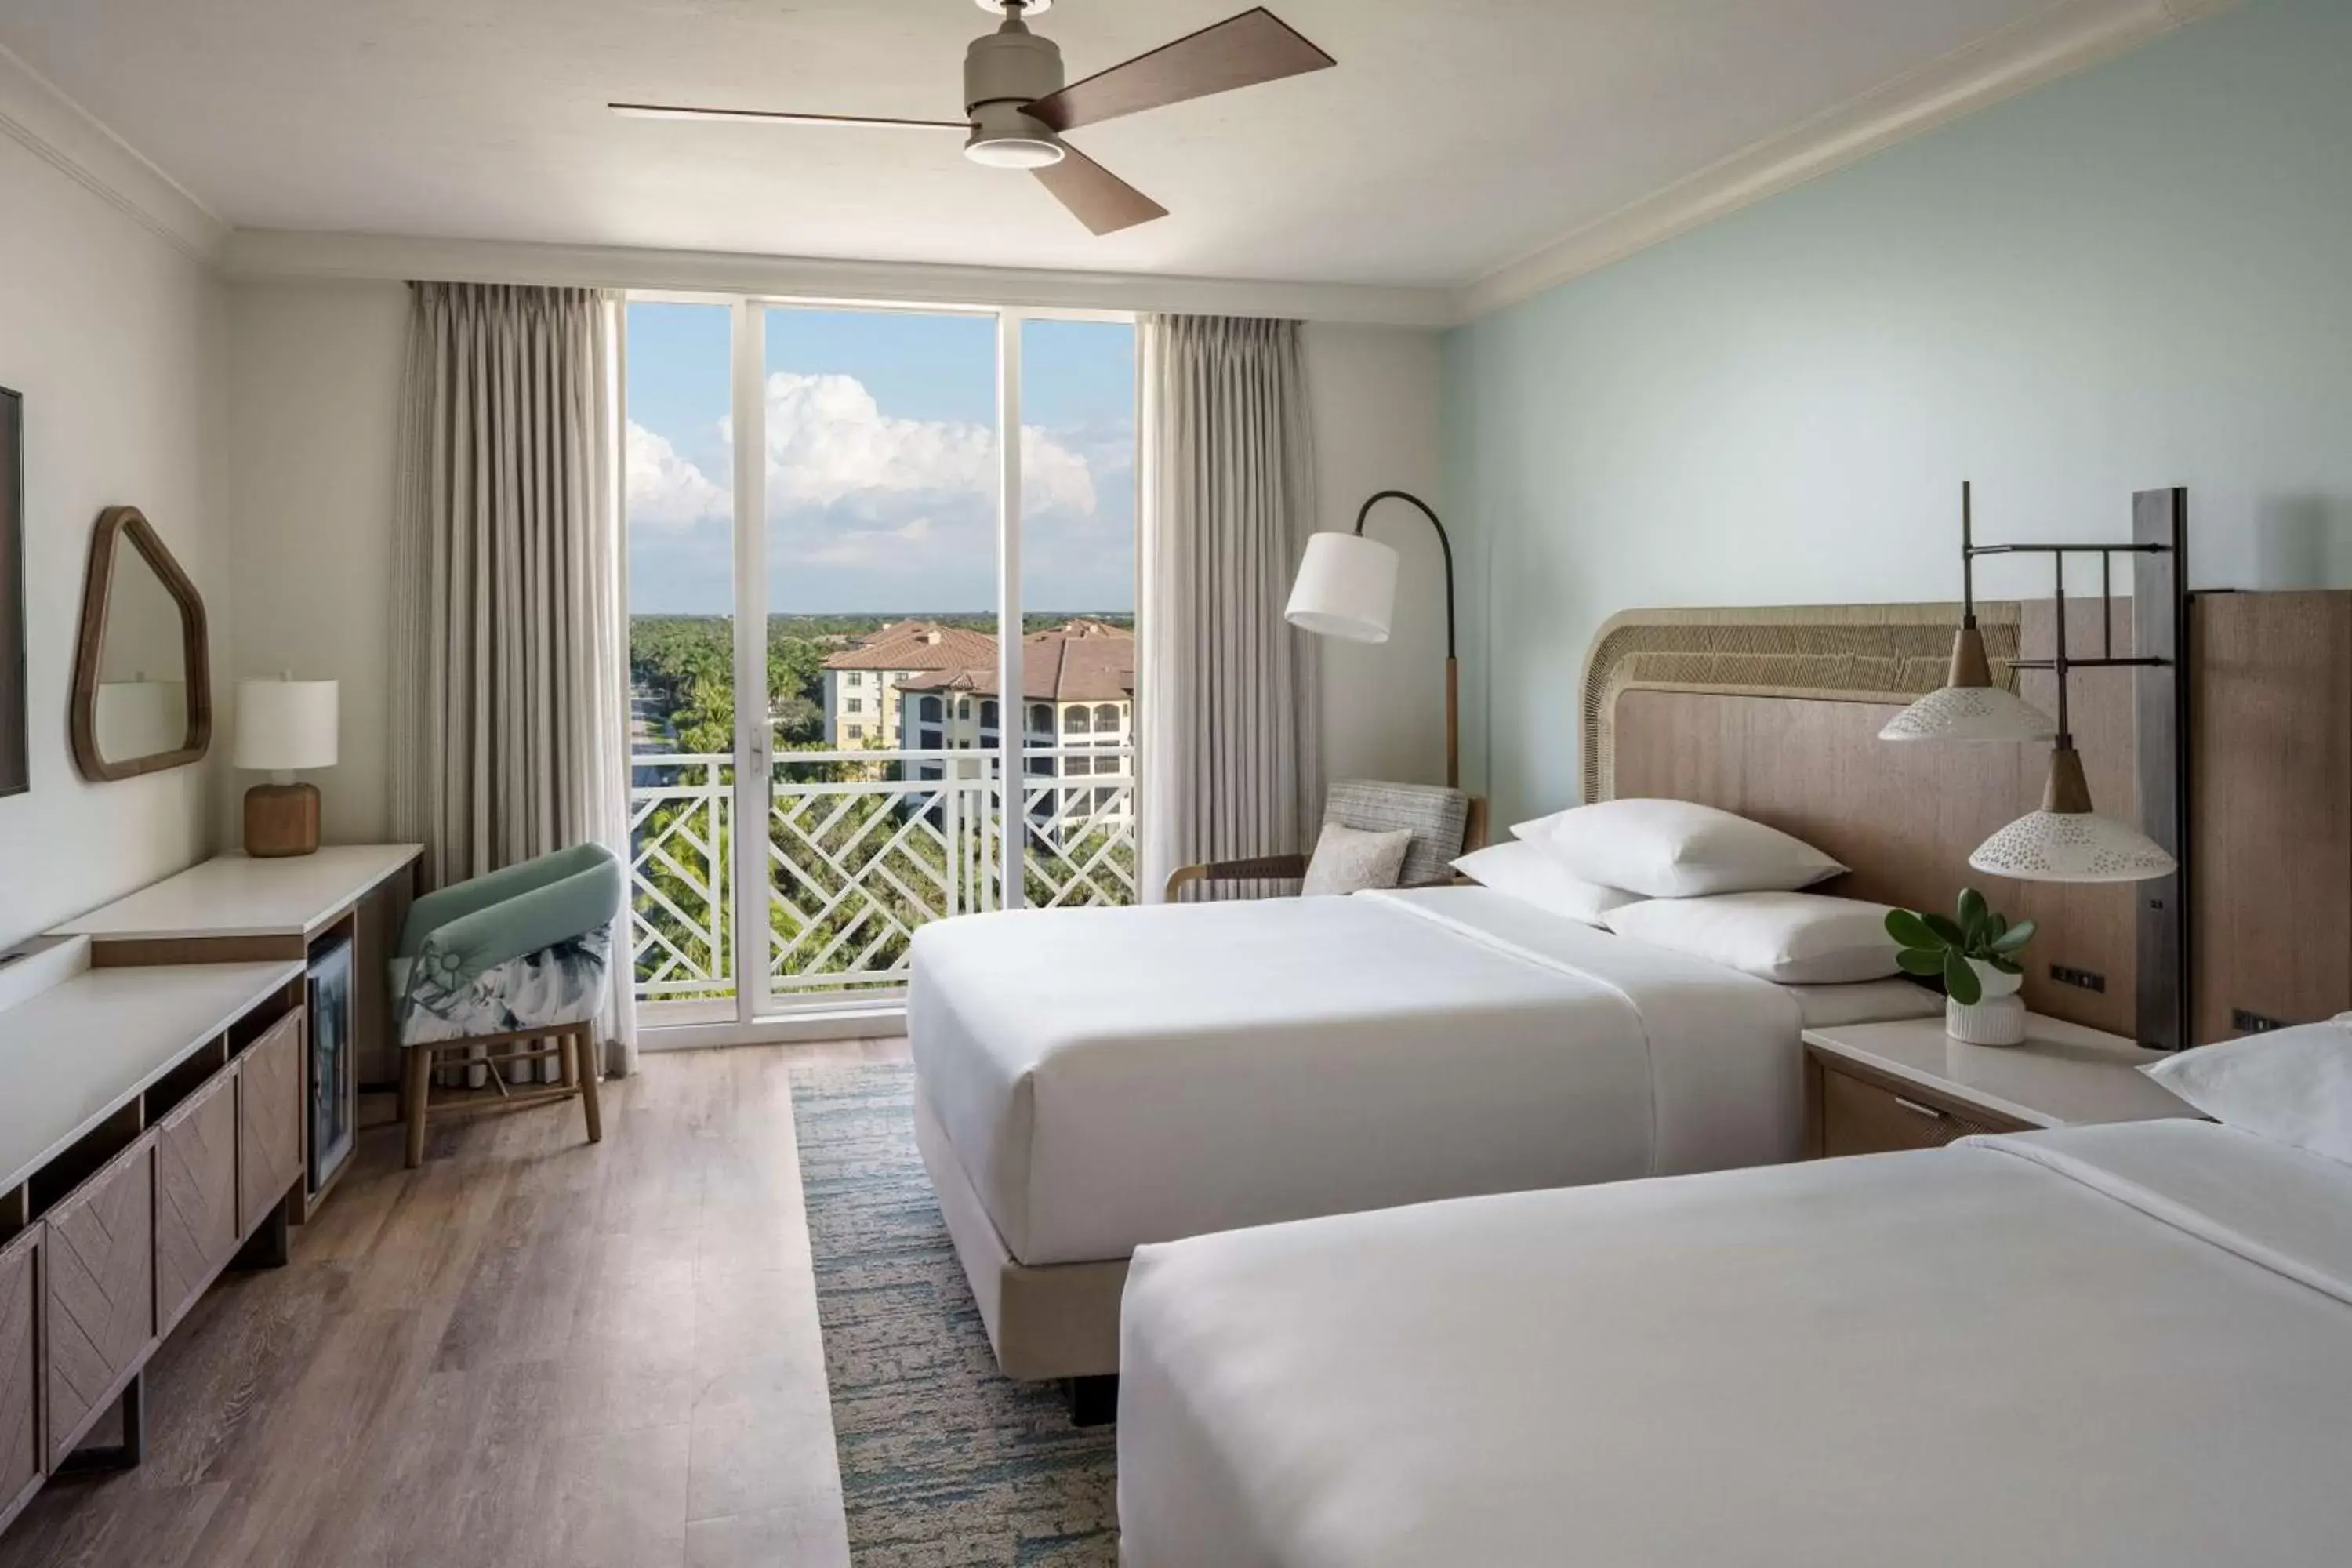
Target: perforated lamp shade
1346	588
2067	841
2071	847
1968	706
1971	713
286	725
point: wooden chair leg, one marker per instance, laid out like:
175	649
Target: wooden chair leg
571	1046
416	1074
584	1047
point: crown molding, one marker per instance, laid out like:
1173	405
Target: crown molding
70	138
258	254
2068	37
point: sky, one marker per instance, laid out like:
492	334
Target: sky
881	462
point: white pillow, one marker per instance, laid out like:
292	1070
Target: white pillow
1533	873
1348	860
2290	1086
1538	830
1795	939
1677	849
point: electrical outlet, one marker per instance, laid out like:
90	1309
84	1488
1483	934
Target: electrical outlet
2247	1022
2081	979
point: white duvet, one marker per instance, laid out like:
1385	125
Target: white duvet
1112	1077
2119	1347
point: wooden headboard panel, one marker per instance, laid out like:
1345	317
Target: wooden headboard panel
1779	720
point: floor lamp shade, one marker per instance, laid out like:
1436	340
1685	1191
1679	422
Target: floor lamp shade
283	726
1346	588
286	725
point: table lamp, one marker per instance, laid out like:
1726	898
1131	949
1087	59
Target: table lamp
284	726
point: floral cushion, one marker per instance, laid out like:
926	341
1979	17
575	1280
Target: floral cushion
563	983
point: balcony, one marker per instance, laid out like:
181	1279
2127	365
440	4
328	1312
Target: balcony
862	851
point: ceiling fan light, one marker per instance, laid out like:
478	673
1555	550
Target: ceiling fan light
1013	149
1004	138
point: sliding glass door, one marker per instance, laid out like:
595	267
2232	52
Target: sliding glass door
818	639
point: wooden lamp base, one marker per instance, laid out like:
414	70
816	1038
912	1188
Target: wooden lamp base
281	820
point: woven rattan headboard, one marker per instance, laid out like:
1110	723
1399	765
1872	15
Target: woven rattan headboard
1775	714
1826	653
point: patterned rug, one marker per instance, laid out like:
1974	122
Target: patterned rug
943	1460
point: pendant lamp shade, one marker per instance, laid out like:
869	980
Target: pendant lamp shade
1968	706
2071	847
1971	713
1346	588
2066	841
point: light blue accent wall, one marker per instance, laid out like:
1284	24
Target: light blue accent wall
2135	277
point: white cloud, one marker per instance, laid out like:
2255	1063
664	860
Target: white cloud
899	549
665	490
855	489
829	443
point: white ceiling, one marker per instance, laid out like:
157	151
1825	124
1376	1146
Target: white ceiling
1456	137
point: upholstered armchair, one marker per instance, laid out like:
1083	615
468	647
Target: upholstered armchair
509	968
1445	824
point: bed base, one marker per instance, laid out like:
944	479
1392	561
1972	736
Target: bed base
1055	1322
1093	1401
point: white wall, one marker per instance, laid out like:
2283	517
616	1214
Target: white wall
313	394
113	335
1375	392
2129	278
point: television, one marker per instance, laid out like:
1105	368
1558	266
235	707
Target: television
16	755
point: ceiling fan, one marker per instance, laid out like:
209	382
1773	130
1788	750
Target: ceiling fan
1016	107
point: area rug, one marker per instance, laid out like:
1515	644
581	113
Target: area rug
943	1460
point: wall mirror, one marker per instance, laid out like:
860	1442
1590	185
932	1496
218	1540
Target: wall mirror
143	696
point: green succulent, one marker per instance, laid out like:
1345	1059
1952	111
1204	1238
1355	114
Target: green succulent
1940	945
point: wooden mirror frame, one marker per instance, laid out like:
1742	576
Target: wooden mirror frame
115	525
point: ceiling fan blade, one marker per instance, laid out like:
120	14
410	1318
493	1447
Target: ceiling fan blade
777	117
1097	197
1242	51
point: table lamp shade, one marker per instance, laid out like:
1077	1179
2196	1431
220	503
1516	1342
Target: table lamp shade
1346	588
285	725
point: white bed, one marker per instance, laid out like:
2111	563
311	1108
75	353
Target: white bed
2114	1345
1090	1081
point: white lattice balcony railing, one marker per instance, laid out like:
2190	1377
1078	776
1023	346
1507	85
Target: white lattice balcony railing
863	847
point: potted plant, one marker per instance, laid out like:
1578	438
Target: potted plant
1974	952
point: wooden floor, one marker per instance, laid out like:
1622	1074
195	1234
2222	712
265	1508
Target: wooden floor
529	1353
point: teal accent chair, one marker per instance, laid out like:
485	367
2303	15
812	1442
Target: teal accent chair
509	968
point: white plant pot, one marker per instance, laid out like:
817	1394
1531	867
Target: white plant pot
1998	1016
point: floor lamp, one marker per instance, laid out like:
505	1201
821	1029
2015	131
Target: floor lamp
1347	589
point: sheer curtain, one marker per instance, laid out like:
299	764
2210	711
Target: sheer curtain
510	651
1227	719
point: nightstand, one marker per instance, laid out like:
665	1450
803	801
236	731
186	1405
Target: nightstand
1872	1088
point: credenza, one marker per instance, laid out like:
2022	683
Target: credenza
151	1135
235	908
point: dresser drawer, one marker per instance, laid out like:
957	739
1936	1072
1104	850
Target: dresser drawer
195	1194
98	1265
1860	1116
20	1372
270	1106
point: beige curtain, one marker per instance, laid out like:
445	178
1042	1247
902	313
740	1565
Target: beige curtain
510	652
1227	713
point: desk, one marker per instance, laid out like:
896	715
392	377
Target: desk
234	909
